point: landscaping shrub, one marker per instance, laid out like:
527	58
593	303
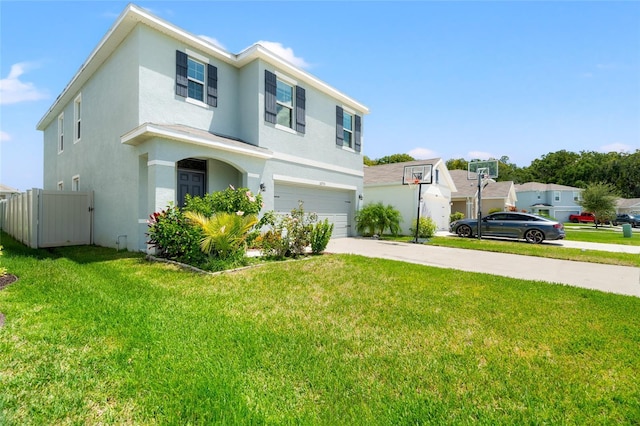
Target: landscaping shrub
230	200
320	236
426	228
175	238
495	210
224	234
290	234
456	216
376	217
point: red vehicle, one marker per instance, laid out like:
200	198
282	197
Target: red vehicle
582	217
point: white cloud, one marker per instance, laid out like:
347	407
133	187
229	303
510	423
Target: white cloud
285	53
422	153
12	90
213	41
480	155
4	136
616	147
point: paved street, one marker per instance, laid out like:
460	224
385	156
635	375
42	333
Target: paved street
608	278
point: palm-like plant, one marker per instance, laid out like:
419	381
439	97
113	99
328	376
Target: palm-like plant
376	218
224	233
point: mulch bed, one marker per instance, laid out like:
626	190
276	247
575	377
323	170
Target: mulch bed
5	280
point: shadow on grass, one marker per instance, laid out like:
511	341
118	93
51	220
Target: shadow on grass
77	254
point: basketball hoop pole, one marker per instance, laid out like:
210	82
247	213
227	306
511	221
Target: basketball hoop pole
418	215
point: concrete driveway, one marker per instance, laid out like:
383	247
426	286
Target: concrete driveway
614	279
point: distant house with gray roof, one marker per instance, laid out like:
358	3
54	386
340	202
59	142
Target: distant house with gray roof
628	205
558	201
495	195
383	183
7	191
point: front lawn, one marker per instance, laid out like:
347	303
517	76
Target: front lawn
93	336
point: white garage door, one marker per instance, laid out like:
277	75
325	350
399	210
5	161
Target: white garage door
335	205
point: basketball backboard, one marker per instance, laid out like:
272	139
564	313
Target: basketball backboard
418	174
487	167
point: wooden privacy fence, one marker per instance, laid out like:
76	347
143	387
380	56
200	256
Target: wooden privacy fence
41	218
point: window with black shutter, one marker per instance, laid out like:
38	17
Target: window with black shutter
192	81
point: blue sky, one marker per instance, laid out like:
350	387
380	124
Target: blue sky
442	79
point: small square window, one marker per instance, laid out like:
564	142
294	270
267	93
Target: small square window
75	183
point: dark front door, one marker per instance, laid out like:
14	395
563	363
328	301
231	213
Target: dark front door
190	182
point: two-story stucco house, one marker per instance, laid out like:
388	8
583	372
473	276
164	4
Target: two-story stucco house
558	201
156	113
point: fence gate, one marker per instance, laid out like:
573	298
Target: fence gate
41	218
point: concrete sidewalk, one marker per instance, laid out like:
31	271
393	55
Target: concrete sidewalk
608	278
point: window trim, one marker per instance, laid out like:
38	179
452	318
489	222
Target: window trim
61	185
209	84
75	183
77	118
291	106
61	133
557	196
350	132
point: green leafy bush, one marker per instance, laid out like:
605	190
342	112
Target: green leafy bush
376	217
174	237
320	236
230	200
290	234
456	216
426	228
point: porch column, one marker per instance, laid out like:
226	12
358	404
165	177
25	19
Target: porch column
161	184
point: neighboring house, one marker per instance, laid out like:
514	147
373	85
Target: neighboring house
156	113
384	184
7	192
557	201
495	195
628	205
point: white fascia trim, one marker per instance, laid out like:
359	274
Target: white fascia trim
253	175
154	131
311	182
317	164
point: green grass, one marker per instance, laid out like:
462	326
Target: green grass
539	250
95	336
603	234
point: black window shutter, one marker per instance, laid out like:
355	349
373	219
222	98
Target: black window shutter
358	132
212	86
300	109
270	109
182	84
339	128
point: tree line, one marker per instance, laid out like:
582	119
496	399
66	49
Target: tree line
621	171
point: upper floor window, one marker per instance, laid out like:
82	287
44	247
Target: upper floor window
576	196
556	195
195	75
348	129
60	133
77	118
284	107
284	103
196	80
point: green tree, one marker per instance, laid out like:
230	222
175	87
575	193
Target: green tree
457	164
599	199
395	158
